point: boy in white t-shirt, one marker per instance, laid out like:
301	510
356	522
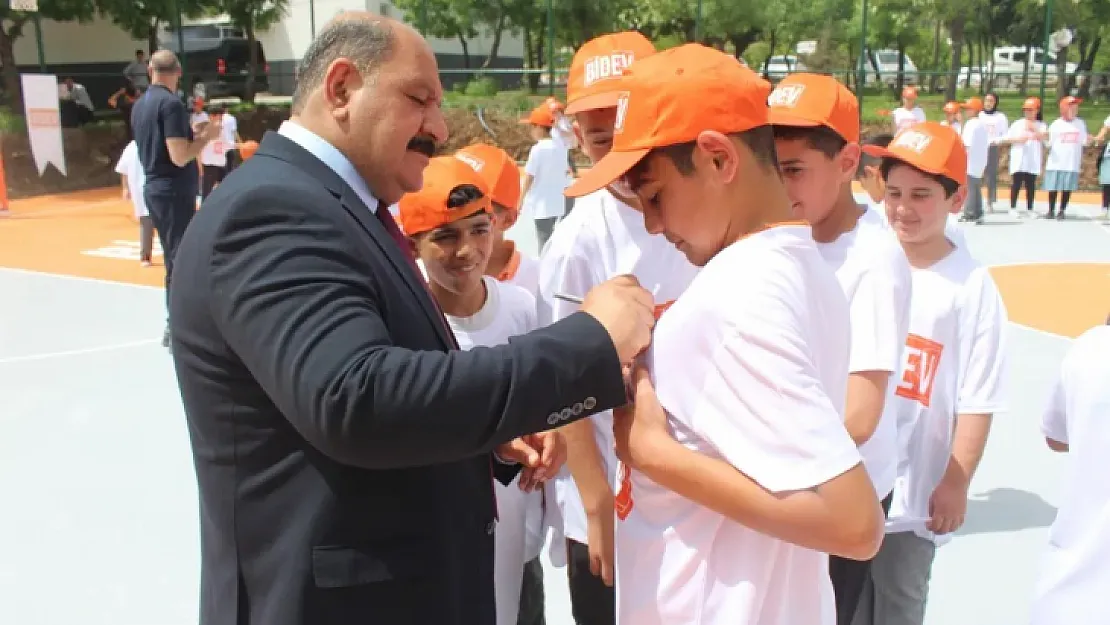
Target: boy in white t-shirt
132	178
1075	573
909	113
213	158
950	385
816	124
1067	137
739	477
546	173
977	143
450	223
502	176
603	237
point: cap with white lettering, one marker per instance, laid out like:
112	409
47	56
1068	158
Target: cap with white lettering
596	65
930	147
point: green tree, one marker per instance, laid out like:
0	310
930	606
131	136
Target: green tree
253	16
142	19
12	25
444	19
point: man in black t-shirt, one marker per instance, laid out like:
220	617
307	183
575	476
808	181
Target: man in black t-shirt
167	151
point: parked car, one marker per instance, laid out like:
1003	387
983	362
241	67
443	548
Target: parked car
1008	66
884	66
217	57
780	66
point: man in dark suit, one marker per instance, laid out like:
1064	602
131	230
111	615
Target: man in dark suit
344	446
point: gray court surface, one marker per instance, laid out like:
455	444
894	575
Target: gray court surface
99	509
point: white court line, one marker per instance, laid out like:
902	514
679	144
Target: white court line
78	352
32	272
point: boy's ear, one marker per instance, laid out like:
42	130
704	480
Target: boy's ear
957	200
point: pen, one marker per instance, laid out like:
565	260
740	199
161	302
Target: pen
568	298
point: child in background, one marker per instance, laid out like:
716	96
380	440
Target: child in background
1026	138
546	173
502	176
909	113
996	125
132	179
451	226
952	116
977	144
213	158
1067	136
816	124
951	383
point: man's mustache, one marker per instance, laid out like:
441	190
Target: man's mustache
424	145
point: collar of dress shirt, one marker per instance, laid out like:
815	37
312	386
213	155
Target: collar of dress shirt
331	157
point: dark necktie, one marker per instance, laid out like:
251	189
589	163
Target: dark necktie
394	231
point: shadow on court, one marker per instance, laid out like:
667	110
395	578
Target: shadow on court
1006	510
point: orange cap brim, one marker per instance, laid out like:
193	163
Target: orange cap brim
593	102
881	152
605	172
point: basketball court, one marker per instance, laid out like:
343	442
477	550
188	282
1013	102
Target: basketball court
99	523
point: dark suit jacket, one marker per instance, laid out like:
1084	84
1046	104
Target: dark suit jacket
342	446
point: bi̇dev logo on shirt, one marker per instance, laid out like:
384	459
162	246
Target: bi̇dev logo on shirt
922	362
623	501
607	66
786	96
913	140
475	163
622	112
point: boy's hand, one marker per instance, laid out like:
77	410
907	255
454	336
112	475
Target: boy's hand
640	428
599	541
947	507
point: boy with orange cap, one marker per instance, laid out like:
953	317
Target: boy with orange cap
450	224
952	116
949	387
816	125
909	113
738	476
602	238
502	176
977	142
546	172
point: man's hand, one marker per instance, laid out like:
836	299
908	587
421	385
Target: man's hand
541	454
640	428
626	310
947	507
599	539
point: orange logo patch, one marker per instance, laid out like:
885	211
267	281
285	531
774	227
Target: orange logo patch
623	500
922	362
662	308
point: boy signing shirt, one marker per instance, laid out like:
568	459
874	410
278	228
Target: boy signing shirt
816	124
449	223
726	520
950	384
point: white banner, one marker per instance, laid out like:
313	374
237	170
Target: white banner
44	123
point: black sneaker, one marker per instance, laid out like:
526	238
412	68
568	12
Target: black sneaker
1060	216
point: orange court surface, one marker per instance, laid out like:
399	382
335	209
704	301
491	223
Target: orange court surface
100	512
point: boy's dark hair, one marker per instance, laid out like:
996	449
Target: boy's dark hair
865	159
760	140
949	185
463	195
821	138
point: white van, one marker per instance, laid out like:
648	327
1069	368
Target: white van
1008	65
884	68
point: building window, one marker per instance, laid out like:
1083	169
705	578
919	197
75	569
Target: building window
383	9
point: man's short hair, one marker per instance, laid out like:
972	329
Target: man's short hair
949	185
366	42
760	140
881	140
164	62
821	138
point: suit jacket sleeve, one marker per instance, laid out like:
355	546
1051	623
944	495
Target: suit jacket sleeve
298	302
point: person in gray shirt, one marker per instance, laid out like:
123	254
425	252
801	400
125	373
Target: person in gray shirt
137	71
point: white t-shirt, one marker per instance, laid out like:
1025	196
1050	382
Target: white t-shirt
526	273
550	170
752	368
904	118
995	124
1026	156
1066	141
214	152
978	146
953	364
1075	573
509	311
875	275
953	125
130	166
602	238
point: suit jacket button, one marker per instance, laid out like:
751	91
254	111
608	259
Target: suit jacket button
567	413
490	527
577	409
589	403
553	418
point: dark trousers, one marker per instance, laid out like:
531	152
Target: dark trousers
171	214
531	595
848	579
1027	180
591	601
146	238
213	175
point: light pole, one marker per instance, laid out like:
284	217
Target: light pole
697	24
861	79
1044	51
550	49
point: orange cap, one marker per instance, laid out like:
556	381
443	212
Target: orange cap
930	147
498	169
1031	104
597	63
427	209
975	104
951	107
909	91
671	97
1071	100
247	149
542	115
809	100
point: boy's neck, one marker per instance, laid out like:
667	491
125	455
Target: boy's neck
842	219
460	304
771	196
502	253
928	253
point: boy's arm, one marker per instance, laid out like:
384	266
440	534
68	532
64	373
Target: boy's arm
1054	424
